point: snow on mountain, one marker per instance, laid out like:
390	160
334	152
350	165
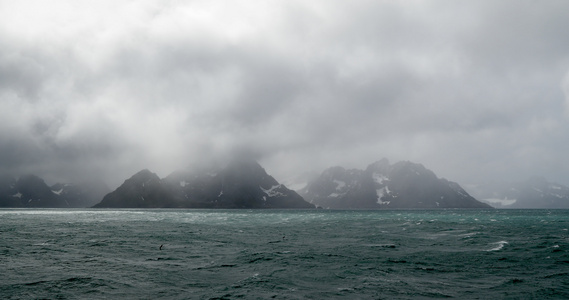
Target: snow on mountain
382	185
32	191
240	184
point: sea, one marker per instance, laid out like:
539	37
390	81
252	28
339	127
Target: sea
283	254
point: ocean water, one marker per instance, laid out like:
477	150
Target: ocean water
283	254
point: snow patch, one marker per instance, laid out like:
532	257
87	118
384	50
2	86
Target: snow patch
461	193
379	178
339	184
17	195
220	194
297	186
183	183
383	202
380	193
271	192
57	192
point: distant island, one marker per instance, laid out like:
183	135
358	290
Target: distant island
381	185
535	192
246	184
243	184
32	191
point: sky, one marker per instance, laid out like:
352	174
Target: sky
474	90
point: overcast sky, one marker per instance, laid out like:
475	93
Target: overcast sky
473	90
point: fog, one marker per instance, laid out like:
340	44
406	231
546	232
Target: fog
473	90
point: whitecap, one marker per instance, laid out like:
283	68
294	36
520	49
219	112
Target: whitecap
469	234
499	246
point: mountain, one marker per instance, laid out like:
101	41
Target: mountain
143	190
32	191
7	191
385	186
240	184
535	192
82	194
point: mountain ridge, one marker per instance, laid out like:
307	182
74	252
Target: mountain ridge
384	186
240	184
245	184
32	191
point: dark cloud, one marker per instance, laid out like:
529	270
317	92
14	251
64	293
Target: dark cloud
473	90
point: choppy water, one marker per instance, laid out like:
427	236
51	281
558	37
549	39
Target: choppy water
283	254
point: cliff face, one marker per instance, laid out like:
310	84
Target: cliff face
384	186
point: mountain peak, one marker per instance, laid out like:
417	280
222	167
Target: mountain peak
240	184
333	172
144	174
249	166
380	166
402	185
143	190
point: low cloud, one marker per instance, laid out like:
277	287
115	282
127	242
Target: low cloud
474	91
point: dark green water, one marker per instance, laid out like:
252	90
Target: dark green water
283	254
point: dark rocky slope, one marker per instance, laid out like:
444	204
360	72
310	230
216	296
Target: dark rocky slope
243	184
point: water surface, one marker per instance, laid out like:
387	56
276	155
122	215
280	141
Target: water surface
283	254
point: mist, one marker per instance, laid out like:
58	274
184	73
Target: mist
475	91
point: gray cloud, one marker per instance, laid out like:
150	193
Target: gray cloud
473	90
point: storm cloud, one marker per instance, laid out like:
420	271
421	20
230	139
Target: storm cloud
474	90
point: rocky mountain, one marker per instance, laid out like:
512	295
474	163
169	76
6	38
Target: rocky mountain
243	184
535	192
8	193
143	190
32	191
385	186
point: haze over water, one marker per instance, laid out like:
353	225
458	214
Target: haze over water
283	254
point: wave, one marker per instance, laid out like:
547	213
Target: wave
498	246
